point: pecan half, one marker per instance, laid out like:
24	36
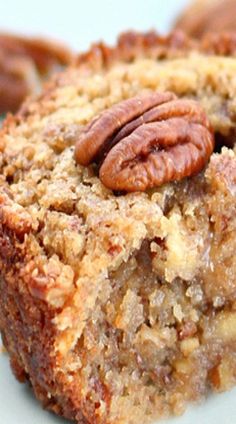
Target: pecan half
24	64
147	141
202	17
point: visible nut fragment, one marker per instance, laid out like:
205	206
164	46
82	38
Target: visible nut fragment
183	366
186	330
225	326
222	376
147	141
14	217
187	346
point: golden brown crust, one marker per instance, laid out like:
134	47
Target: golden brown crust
37	364
133	45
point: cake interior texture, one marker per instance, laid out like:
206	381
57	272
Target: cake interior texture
118	308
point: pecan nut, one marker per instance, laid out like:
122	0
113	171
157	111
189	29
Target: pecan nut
24	64
204	17
146	141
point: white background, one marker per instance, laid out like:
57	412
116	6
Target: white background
81	22
78	23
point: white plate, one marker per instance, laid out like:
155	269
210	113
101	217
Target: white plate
74	23
18	405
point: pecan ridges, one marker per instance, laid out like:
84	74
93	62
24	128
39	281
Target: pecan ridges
147	141
99	132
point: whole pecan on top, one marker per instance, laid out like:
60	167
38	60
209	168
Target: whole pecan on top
146	141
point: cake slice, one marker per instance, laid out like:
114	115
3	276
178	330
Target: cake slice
118	231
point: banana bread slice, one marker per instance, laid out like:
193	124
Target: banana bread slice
117	306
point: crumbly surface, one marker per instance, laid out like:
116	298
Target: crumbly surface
119	308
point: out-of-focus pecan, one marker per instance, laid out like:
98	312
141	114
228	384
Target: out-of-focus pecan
147	141
24	62
44	53
203	16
